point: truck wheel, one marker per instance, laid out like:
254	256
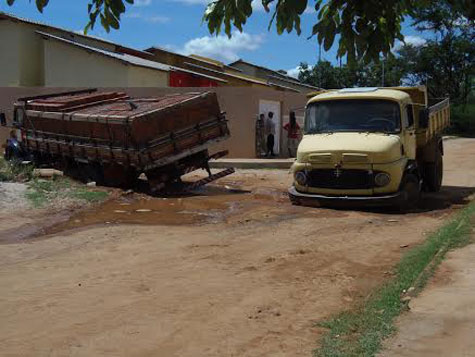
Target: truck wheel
434	173
411	192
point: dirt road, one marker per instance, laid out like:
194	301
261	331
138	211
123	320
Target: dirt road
441	321
226	273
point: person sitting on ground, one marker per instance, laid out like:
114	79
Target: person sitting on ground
293	134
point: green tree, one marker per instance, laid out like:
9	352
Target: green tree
446	63
358	74
366	28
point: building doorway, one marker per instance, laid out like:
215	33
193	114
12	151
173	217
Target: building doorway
266	106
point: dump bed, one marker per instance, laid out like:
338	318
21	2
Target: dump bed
111	127
439	120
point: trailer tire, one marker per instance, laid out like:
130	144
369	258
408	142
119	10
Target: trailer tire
119	176
411	192
433	173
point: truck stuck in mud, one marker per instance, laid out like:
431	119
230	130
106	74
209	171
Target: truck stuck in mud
371	146
110	138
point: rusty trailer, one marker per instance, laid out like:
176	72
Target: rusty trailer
111	138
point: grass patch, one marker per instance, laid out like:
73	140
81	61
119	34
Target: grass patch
360	332
15	171
41	191
89	196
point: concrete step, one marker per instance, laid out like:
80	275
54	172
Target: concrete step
283	164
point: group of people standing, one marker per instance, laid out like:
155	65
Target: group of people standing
265	134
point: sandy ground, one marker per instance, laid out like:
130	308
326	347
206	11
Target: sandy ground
234	271
441	321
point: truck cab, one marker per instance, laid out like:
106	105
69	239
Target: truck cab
366	145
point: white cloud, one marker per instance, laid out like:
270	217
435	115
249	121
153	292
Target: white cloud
294	72
310	10
153	19
142	2
410	40
221	47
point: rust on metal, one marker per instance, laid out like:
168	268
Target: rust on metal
110	128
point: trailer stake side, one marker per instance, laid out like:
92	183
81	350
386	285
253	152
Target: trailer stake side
111	138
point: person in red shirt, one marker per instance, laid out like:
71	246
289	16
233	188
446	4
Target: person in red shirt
293	134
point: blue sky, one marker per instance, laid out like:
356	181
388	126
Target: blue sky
176	24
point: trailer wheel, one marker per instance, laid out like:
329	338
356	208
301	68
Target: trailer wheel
411	192
119	176
433	173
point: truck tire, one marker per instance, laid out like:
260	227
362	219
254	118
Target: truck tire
433	173
411	192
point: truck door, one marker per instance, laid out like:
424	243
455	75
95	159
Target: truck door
409	135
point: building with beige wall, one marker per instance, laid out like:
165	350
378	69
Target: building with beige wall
70	64
38	59
35	54
23	52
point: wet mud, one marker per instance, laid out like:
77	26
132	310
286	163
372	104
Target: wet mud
209	205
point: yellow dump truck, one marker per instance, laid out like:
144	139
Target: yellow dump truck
371	146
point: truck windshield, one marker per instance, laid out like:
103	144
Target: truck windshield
366	115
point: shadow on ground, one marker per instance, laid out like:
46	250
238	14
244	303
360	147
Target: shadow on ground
447	197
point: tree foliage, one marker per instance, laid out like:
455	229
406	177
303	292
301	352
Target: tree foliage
358	74
365	29
108	12
445	63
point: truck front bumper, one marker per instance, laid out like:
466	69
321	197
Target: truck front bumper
355	201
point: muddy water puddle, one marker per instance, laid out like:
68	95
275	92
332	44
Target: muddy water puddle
213	205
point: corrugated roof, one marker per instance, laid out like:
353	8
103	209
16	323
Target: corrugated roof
238	76
294	81
284	87
201	59
4	15
129	59
120	56
277	74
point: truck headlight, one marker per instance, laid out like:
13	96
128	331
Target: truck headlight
382	179
301	178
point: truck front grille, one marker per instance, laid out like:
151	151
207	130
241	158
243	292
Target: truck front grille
349	179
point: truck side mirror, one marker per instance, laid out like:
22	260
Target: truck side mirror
3	119
424	118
